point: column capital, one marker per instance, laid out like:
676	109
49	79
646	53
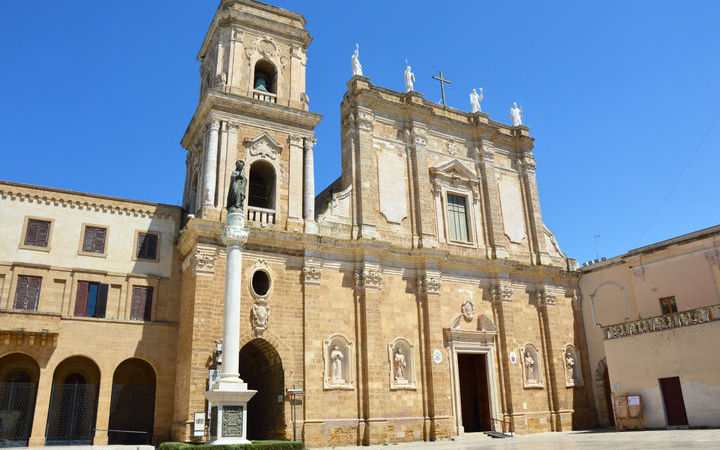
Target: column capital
213	125
713	257
501	291
368	278
312	273
309	144
429	283
544	297
526	161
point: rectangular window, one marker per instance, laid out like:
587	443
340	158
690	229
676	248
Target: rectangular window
667	305
37	233
27	292
91	299
141	303
147	244
457	218
94	240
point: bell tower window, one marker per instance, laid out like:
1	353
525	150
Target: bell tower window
262	185
265	79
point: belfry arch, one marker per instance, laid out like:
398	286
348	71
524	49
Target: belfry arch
262	369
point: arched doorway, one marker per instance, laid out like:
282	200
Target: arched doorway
73	402
261	368
19	376
132	405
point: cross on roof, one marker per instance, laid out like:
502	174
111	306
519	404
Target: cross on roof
442	85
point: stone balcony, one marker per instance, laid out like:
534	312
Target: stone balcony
261	216
665	322
265	96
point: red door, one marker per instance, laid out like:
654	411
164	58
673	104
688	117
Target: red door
673	399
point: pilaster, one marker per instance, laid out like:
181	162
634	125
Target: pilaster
429	316
544	300
423	203
501	293
526	164
309	188
366	175
485	158
295	184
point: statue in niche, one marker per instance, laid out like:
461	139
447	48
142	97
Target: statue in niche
516	115
570	363
475	100
336	356
530	367
236	193
409	79
356	67
400	364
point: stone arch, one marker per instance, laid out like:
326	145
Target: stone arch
19	374
597	318
262	369
132	405
73	402
262	185
265	76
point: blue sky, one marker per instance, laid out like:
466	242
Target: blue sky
623	98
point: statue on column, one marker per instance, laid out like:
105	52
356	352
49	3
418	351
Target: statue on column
516	115
475	100
356	67
409	79
236	193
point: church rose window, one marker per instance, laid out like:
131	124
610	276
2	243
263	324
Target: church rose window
94	240
37	233
141	303
91	299
27	292
457	218
147	244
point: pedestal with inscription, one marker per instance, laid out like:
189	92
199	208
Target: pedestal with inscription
229	394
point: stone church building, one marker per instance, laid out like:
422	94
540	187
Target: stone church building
419	296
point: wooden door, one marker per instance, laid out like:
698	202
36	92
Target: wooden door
673	400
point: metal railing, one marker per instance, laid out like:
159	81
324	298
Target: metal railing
665	322
260	215
147	435
265	96
504	422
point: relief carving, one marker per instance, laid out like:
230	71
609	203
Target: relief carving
312	274
429	284
368	278
204	262
260	316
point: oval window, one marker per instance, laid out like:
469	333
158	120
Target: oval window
260	282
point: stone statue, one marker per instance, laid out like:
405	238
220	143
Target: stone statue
236	193
530	367
400	365
570	362
475	100
356	67
336	357
516	115
409	79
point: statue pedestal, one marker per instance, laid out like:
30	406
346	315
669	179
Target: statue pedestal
228	414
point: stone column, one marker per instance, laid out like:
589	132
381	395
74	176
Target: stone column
229	395
309	188
210	164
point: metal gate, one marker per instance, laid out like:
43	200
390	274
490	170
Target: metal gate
17	404
71	418
132	410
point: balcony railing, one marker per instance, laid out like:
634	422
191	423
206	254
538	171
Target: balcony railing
261	216
666	322
265	96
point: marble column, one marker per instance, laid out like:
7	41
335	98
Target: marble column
211	164
229	395
309	188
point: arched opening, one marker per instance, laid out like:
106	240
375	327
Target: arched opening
262	185
19	376
265	79
261	368
73	402
132	405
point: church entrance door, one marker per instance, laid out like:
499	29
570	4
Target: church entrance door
474	392
261	368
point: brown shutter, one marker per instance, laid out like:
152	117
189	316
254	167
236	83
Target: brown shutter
37	233
94	240
101	302
148	303
82	298
138	303
27	292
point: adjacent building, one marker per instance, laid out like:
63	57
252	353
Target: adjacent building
652	322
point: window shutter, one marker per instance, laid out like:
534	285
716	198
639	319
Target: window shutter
27	292
82	298
148	303
37	233
457	218
101	304
138	304
147	246
94	240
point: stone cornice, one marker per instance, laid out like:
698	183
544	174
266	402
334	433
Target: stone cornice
89	202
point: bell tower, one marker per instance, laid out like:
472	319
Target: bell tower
253	106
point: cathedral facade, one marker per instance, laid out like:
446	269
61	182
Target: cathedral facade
419	296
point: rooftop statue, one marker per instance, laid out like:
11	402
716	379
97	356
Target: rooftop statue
475	100
356	67
516	115
409	79
236	193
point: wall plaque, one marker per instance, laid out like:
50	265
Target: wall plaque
232	421
437	356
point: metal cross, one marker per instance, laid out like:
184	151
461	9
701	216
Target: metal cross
442	85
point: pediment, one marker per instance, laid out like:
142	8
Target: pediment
263	145
454	169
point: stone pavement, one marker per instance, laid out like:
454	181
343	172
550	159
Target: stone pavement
586	440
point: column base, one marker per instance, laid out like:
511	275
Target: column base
228	411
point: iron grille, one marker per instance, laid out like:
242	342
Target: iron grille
17	402
72	414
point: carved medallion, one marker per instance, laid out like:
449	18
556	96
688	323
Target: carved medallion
260	316
468	310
